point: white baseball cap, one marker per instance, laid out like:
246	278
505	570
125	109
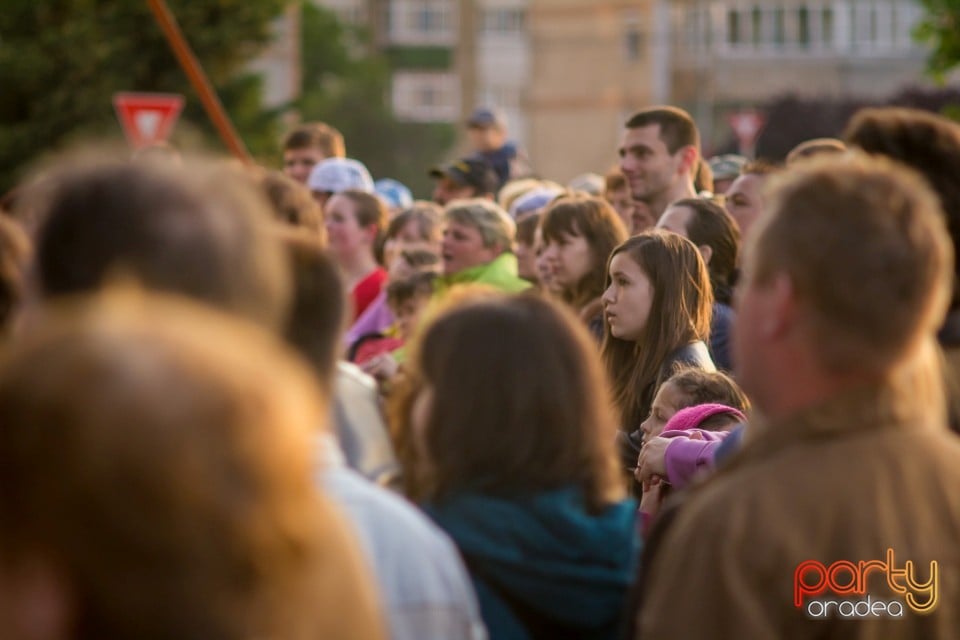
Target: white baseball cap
334	175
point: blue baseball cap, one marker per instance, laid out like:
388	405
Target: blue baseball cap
394	193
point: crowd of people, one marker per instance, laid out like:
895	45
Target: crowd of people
687	398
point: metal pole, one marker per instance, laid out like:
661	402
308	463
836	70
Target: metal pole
201	84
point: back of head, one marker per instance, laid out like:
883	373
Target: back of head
711	226
316	135
542	421
495	225
197	232
318	312
924	141
677	128
863	244
292	204
162	475
816	147
698	387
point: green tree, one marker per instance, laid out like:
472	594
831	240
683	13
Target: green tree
940	30
62	60
347	84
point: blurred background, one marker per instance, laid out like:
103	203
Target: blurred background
399	77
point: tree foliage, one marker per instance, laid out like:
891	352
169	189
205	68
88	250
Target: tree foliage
347	84
62	60
940	30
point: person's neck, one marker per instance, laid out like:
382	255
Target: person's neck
800	387
659	202
356	268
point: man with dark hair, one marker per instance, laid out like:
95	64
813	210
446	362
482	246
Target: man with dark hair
466	178
659	155
307	145
845	484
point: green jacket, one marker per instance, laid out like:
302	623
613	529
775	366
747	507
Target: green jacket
500	273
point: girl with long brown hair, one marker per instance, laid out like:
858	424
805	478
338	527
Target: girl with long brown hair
657	308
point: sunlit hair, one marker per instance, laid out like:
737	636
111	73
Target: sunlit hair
926	142
868	308
164	475
427	216
594	220
316	135
711	226
816	147
680	314
696	386
292	204
198	230
14	253
519	404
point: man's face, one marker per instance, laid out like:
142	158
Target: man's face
651	170
447	189
297	163
744	200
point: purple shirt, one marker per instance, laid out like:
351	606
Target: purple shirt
685	457
376	318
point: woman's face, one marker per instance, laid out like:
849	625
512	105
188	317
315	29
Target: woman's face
628	299
570	259
463	248
345	236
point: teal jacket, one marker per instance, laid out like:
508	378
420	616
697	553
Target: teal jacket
500	273
543	566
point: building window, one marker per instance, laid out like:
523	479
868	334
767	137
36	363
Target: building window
426	97
503	21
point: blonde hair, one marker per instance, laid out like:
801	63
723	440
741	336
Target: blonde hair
494	224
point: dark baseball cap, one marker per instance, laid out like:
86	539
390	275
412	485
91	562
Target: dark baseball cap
472	172
483	117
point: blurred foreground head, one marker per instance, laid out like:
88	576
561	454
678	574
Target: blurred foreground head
196	231
156	483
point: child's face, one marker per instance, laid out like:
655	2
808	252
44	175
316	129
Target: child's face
407	314
666	403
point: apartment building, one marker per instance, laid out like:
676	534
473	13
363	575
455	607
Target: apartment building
737	54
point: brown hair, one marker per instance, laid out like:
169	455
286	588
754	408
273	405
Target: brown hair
927	143
701	387
614	180
318	312
713	227
292	204
595	220
427	215
197	231
867	308
542	421
165	476
703	177
677	128
316	135
815	147
369	210
527	229
679	315
417	284
760	168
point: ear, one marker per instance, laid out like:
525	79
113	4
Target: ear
688	160
782	311
707	253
